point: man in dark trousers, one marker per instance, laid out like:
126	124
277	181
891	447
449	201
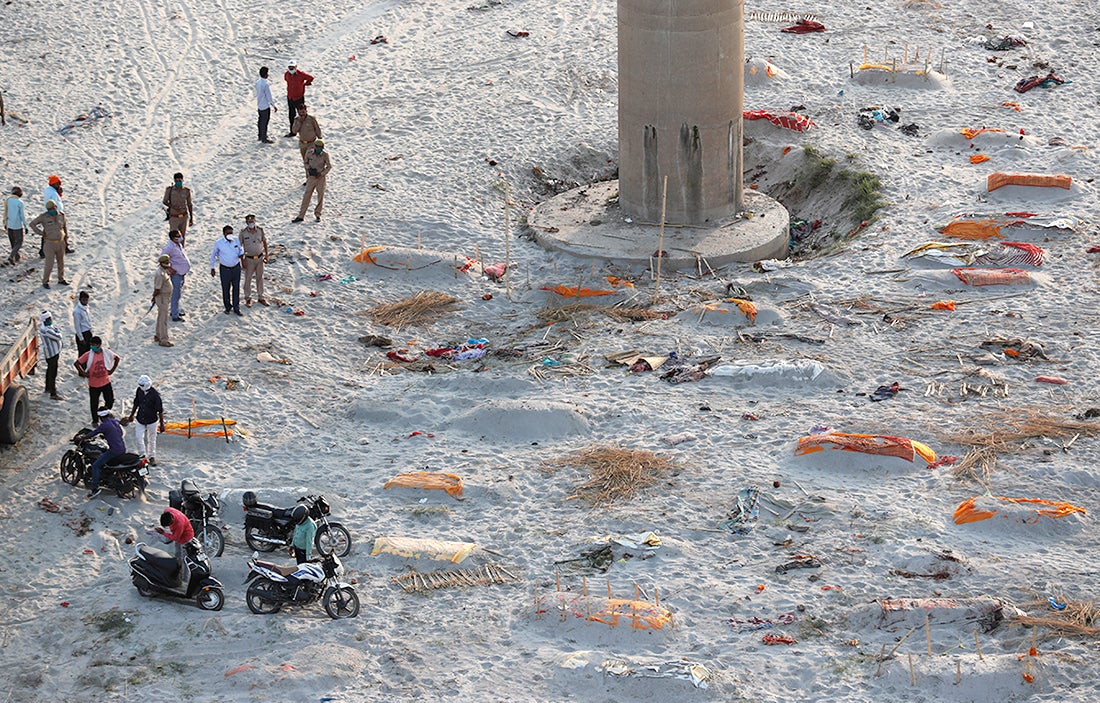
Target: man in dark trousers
116	445
265	104
177	201
51	349
97	365
226	256
82	323
296	82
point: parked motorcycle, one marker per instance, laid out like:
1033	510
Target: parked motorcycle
274	586
125	474
267	527
201	511
156	572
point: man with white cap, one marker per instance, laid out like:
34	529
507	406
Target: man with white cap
162	298
296	82
51	349
116	445
150	417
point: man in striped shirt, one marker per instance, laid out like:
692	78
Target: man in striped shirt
51	349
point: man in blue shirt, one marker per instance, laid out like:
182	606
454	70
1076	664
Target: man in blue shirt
16	222
226	255
264	105
116	445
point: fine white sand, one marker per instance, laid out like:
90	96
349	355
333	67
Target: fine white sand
426	131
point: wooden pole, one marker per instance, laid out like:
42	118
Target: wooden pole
958	672
507	242
609	589
912	674
661	238
978	645
928	632
881	658
584	585
418	241
657	596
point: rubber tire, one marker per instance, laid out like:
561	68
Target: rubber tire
15	416
124	487
217	539
323	541
341	602
210	599
143	589
256	545
255	597
72	468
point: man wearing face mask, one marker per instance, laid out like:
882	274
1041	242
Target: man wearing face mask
226	256
53	192
97	365
51	349
318	165
162	295
307	129
177	202
180	266
296	82
254	243
50	225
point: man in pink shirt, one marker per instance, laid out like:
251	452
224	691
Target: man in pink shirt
97	365
296	82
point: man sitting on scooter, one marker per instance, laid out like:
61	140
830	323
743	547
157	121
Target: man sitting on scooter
116	445
175	527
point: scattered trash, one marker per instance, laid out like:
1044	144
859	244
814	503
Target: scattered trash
778	639
374	340
886	392
800	562
1056	380
380	39
804	26
1048	81
679	438
97	113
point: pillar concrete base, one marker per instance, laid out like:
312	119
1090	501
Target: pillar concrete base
587	222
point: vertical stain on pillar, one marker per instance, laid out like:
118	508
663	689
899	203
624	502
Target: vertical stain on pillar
651	175
691	165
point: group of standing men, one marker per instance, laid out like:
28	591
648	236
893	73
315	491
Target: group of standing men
50	226
311	144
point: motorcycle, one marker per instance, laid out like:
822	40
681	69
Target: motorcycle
155	571
201	511
277	586
267	527
125	474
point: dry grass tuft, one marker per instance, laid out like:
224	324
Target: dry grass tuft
614	473
976	465
1079	619
1007	430
422	308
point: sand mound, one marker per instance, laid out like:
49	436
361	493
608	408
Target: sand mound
522	421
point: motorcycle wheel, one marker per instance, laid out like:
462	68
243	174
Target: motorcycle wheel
341	603
125	487
211	599
260	597
213	541
143	588
72	468
333	539
256	544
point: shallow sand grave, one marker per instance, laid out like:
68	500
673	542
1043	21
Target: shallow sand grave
440	117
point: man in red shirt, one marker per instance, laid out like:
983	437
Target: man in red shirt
97	365
296	82
175	527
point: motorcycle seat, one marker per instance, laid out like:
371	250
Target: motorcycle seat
160	560
188	488
271	566
123	460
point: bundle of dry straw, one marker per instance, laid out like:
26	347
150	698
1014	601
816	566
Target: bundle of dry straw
614	472
422	308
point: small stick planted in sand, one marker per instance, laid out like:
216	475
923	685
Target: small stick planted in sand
978	645
912	674
881	657
661	239
958	672
928	632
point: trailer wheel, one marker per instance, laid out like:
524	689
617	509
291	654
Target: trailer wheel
15	415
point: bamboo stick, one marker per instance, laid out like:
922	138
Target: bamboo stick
912	674
928	632
508	243
661	238
978	645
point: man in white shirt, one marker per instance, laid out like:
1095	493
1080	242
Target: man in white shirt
226	256
53	192
82	323
264	104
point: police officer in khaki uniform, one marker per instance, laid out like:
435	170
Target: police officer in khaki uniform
177	201
318	165
254	242
307	129
51	226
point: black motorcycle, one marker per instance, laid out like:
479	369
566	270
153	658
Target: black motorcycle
155	571
267	527
278	586
125	474
201	511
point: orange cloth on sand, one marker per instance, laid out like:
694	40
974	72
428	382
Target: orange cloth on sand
973	229
967	512
575	292
885	445
745	306
970	132
978	158
428	480
1042	180
944	305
